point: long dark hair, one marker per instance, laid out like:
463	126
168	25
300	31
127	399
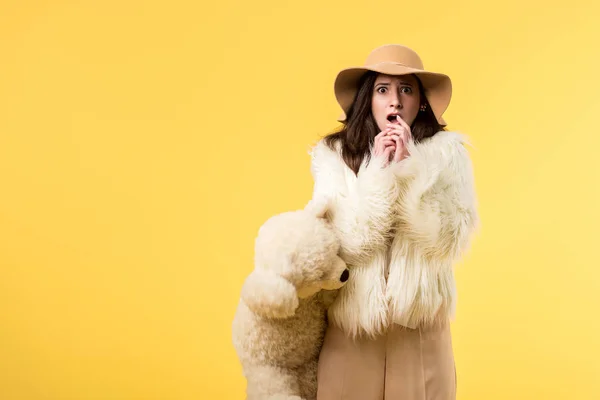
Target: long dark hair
357	134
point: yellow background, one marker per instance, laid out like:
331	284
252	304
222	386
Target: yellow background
142	144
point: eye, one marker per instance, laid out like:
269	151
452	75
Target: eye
406	89
379	89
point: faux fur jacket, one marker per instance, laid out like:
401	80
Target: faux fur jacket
401	227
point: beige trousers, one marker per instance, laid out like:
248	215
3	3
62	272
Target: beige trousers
405	364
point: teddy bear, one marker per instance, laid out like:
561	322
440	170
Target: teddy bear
280	321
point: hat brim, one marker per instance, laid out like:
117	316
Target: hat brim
437	86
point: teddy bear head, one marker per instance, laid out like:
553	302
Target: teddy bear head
296	255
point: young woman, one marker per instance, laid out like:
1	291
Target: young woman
404	207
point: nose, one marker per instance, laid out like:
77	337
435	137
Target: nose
395	101
345	276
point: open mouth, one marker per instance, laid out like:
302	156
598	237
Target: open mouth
392	117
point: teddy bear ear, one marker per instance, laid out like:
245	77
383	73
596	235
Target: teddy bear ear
318	206
269	295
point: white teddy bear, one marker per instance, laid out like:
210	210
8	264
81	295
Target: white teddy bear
280	321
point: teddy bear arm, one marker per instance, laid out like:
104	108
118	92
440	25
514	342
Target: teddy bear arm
267	294
270	382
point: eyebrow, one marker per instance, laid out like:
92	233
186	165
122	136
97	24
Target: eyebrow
388	83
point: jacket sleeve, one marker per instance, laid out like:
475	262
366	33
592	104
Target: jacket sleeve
436	208
361	206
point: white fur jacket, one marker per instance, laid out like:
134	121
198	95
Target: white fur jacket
401	227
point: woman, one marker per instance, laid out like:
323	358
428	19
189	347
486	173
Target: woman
404	207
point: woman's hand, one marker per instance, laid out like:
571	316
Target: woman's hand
384	146
401	135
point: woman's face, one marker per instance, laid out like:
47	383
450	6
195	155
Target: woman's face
395	95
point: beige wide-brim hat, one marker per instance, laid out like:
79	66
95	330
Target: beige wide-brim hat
395	59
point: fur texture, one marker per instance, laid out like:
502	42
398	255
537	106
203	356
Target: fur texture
401	229
361	205
280	321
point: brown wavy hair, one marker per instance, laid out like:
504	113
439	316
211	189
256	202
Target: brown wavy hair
357	134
